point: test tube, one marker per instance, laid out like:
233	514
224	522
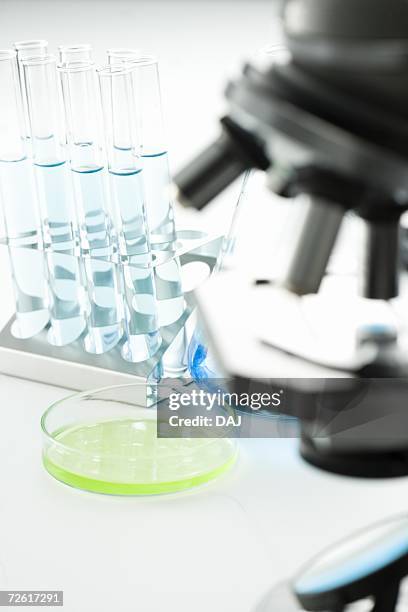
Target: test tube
121	55
75	53
159	207
126	181
153	149
96	232
55	199
20	207
26	49
201	362
148	108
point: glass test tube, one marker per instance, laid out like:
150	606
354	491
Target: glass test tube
26	49
55	199
120	55
20	207
159	207
97	239
201	363
75	53
148	111
160	213
148	107
126	181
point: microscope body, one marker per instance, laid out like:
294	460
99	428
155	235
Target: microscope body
329	121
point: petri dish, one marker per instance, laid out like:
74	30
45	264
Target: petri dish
105	441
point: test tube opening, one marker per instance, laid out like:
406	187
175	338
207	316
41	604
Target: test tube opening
74	53
122	55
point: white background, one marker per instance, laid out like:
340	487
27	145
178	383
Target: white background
216	548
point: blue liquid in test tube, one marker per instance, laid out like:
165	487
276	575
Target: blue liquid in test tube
55	198
20	207
159	206
127	190
98	241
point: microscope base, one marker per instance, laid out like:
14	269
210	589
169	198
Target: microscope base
375	464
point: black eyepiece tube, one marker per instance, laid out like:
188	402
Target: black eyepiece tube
235	151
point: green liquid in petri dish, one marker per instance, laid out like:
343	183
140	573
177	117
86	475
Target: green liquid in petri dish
125	457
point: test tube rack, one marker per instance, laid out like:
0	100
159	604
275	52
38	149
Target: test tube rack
73	368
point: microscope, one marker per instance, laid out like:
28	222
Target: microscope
329	122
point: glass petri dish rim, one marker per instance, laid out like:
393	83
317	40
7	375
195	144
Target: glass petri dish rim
57	443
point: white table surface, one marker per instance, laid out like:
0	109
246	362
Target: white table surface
214	548
218	547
